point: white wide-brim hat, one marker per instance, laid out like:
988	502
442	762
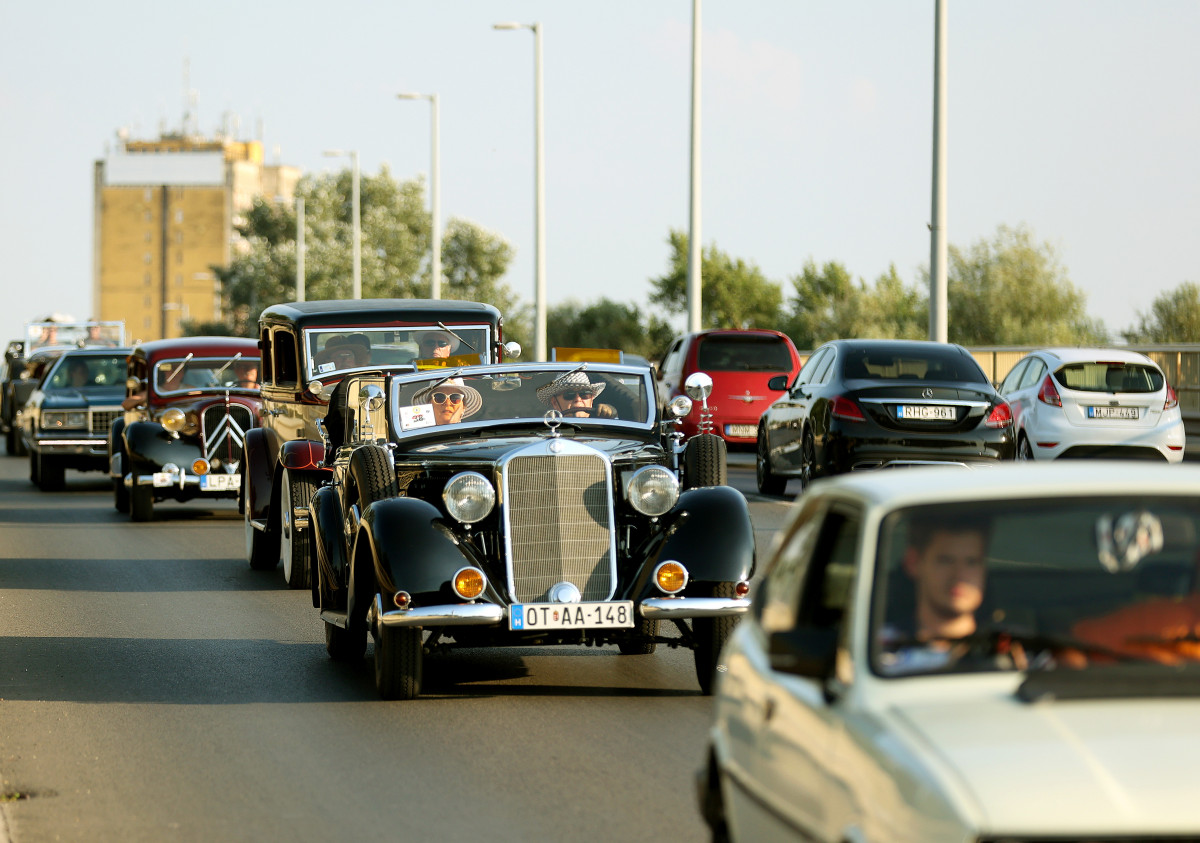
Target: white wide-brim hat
472	400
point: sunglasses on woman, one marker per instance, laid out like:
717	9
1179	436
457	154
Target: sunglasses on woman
443	397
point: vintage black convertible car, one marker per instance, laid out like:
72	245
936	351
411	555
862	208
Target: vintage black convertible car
473	507
189	404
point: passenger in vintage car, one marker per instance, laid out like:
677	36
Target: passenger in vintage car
573	395
246	372
452	401
437	343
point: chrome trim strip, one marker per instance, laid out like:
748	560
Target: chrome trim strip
658	608
954	402
91	443
454	614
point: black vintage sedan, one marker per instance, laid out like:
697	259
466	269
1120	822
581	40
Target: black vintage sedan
522	505
867	404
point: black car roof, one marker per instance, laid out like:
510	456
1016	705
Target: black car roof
366	311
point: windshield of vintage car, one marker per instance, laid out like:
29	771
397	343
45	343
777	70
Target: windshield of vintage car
332	350
84	372
180	375
594	395
97	334
1078	583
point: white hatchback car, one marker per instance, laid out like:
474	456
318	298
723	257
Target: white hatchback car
942	655
1093	402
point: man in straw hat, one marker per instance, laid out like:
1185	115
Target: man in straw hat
573	395
452	400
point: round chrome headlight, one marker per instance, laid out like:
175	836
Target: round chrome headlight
469	497
679	407
652	490
173	419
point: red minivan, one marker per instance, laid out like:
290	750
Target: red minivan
740	364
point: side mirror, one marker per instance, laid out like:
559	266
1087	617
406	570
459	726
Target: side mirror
804	651
512	350
371	396
698	386
134	384
778	383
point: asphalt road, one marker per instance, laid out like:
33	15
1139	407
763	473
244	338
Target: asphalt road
153	687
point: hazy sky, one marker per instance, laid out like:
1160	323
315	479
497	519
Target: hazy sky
1077	118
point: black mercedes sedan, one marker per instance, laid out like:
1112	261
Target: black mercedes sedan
867	404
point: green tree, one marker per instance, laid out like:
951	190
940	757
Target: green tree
733	293
827	303
607	324
1174	317
395	248
1010	290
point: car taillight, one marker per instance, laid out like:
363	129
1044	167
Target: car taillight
843	408
1001	416
1172	399
1048	394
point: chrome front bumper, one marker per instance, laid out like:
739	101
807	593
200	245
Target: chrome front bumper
75	447
491	614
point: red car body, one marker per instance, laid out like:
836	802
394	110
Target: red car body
740	362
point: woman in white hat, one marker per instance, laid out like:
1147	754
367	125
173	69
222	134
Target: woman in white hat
452	400
573	395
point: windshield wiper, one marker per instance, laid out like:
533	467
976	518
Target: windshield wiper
216	376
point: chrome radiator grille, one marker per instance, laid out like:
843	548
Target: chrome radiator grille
101	420
225	432
559	523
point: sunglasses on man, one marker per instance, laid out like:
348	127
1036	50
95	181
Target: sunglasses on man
572	396
438	343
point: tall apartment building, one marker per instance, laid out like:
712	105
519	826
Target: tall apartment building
165	212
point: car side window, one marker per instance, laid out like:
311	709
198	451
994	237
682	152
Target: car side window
776	602
670	363
1014	377
285	366
264	347
807	374
1034	374
822	373
829	578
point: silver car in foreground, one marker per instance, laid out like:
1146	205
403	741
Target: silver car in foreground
977	657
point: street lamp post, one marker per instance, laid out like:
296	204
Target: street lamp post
540	351
356	246
435	269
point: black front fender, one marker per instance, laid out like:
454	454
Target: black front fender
411	549
150	446
710	532
328	538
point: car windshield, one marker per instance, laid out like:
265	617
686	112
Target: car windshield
743	354
188	374
1076	583
101	334
332	350
77	372
927	364
500	395
1109	377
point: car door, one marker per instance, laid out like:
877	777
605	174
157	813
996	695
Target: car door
801	397
1024	401
795	769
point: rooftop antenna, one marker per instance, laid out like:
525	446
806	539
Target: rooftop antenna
189	100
